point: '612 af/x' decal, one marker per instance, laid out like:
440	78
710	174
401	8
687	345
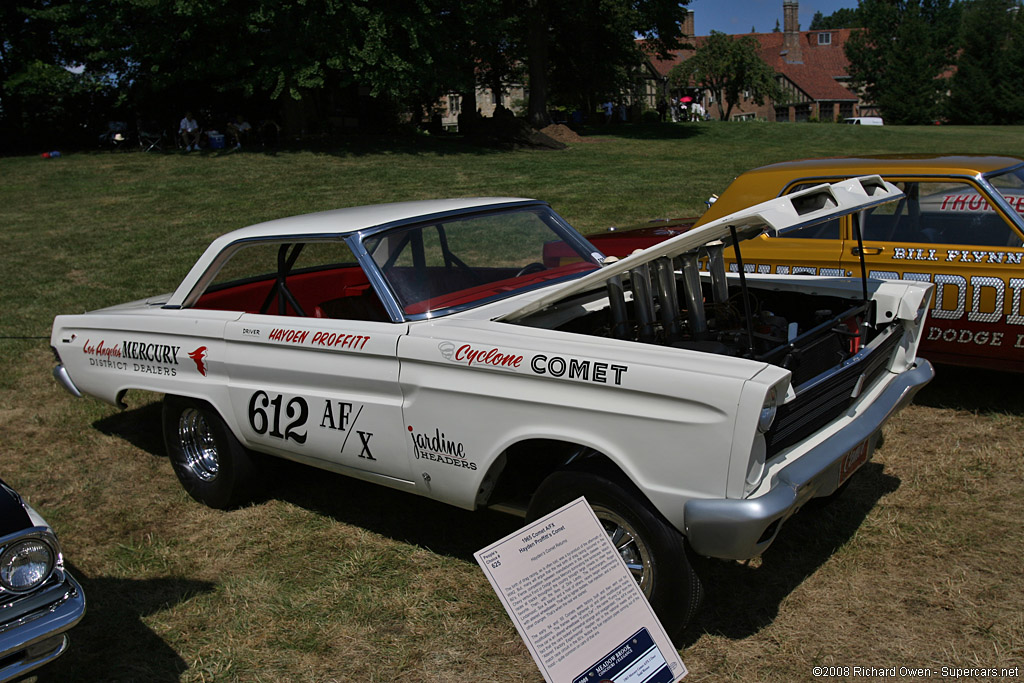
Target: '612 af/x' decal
265	414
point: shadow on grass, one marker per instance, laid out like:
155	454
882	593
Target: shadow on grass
974	390
138	426
741	599
448	144
646	131
401	516
371	145
111	642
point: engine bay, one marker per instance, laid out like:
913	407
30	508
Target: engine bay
671	302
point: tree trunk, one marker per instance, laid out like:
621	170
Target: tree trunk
537	56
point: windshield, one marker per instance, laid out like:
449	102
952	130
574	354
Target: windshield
469	260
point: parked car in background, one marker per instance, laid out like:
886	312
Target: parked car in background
864	121
958	226
39	600
482	353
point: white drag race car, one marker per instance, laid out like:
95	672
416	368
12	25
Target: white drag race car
482	353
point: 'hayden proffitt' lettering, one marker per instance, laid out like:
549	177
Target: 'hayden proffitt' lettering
333	340
337	340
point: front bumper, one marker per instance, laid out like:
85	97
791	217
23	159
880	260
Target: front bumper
738	529
35	635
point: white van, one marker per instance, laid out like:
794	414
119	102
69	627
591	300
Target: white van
864	120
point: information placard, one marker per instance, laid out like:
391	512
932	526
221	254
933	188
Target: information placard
576	605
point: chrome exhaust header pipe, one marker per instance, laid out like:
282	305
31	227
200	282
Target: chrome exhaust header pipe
617	301
668	298
716	265
643	302
694	296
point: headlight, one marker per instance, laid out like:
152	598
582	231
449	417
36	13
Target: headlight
768	410
25	564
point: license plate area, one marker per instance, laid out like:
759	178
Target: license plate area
852	460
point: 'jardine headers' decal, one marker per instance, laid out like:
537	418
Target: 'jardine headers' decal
439	448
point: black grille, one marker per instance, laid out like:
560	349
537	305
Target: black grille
814	358
827	398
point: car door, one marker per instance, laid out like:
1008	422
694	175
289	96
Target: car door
312	366
812	250
946	231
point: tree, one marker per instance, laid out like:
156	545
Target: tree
586	63
314	58
43	102
844	17
311	61
900	56
727	67
991	45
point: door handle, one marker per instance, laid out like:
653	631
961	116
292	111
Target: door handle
867	251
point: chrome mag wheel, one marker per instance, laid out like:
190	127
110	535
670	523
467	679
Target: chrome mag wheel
198	444
630	546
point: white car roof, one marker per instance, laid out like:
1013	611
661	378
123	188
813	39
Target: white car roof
355	218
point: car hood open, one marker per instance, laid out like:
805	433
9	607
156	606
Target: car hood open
776	216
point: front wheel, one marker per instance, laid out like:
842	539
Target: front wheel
211	464
654	552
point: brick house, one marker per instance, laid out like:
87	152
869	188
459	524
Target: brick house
811	67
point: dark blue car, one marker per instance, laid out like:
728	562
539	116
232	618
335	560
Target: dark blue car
39	600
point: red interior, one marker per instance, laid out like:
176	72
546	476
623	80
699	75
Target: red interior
490	289
345	293
318	293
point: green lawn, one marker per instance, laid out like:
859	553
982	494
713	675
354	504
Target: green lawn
335	580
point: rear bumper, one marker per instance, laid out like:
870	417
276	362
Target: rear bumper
33	638
64	379
739	529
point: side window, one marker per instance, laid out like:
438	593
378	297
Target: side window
468	259
829	230
308	279
940	212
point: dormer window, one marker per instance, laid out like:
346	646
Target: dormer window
824	39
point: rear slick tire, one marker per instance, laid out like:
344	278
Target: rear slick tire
653	550
211	464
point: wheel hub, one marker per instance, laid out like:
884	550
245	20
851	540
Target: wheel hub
198	445
630	546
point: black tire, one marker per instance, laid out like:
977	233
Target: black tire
211	464
653	549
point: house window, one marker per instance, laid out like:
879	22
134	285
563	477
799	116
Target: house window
824	39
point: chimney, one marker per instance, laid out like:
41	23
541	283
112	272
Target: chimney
687	25
791	30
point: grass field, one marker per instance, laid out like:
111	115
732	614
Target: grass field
915	565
